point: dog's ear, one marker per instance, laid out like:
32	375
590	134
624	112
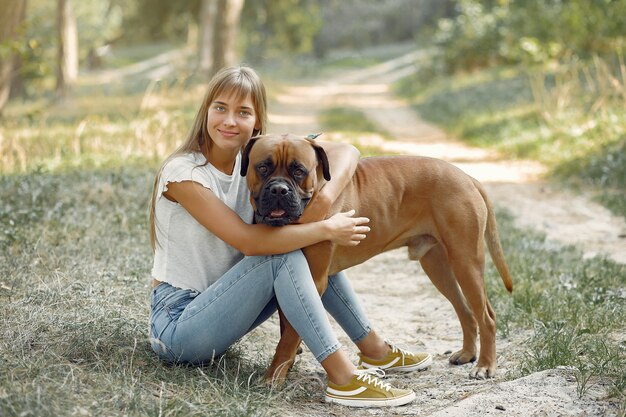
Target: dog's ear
245	157
323	159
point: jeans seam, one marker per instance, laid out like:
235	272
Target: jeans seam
365	326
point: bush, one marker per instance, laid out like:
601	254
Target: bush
484	33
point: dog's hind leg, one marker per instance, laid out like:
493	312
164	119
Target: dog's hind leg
469	270
436	266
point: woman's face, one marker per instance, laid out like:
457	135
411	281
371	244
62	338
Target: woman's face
231	121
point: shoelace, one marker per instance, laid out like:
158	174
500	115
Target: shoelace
372	376
403	353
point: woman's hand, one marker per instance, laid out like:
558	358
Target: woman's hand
347	230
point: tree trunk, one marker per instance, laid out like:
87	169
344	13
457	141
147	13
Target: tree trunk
18	88
208	12
226	31
67	54
10	20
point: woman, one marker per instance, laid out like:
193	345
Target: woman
213	282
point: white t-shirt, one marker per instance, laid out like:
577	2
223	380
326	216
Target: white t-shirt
187	255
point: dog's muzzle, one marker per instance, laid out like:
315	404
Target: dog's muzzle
279	203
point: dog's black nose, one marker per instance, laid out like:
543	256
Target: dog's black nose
279	189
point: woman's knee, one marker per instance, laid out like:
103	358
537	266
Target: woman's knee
294	260
293	256
295	266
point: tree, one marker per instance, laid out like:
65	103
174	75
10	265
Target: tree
276	28
67	53
208	12
10	20
226	31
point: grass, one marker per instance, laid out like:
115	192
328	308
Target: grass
74	295
348	122
569	119
575	309
75	260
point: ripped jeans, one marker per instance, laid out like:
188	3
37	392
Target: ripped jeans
191	327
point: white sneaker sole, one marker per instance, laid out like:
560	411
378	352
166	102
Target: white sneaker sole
421	366
371	403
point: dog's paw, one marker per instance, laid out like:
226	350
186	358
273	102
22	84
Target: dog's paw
462	357
483	372
276	375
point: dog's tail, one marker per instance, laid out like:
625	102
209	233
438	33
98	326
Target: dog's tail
493	240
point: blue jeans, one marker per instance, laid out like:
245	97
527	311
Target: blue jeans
191	327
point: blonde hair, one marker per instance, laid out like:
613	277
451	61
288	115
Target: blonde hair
240	81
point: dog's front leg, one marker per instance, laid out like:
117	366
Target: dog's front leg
318	257
285	354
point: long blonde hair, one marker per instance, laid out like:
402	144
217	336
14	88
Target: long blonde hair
240	81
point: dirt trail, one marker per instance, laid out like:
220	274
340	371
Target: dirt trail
421	318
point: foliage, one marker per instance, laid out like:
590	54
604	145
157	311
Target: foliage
355	24
270	30
157	20
277	27
485	33
98	23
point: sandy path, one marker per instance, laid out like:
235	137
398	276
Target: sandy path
420	317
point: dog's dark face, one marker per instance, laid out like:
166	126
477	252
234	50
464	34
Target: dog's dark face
283	173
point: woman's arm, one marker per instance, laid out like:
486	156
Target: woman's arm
260	239
343	159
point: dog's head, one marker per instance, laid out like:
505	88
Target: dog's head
283	172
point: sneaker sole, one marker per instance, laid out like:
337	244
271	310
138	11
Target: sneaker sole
421	366
371	403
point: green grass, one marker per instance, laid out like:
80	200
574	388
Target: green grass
74	298
102	130
574	127
348	125
575	308
348	120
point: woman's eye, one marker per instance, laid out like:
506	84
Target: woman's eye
245	113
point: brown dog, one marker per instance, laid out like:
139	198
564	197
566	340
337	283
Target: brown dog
441	214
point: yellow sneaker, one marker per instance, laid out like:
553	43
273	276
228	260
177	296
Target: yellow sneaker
397	360
367	390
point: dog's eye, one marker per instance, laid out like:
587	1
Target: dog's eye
262	169
298	172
